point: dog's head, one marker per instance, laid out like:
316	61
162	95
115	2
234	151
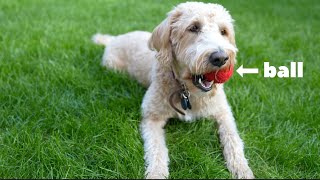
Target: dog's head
197	39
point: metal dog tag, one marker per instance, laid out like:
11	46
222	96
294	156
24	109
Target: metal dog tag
185	103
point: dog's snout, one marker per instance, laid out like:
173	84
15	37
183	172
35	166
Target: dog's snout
218	58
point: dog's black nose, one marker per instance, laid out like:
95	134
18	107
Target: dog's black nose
218	58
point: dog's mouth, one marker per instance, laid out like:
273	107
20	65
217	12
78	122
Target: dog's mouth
202	83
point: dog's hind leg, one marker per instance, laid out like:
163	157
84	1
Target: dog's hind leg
113	60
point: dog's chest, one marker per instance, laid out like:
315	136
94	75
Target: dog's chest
189	116
201	107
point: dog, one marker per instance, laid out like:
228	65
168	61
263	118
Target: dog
193	40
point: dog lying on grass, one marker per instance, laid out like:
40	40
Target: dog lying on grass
184	63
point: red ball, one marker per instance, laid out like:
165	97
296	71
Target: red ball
220	76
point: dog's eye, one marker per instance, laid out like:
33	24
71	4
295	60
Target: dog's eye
223	32
194	28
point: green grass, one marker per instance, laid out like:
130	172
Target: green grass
64	116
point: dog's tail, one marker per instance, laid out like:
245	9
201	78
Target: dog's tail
102	39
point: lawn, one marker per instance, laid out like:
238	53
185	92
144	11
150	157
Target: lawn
62	115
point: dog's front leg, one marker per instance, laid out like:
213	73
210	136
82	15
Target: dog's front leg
156	153
232	144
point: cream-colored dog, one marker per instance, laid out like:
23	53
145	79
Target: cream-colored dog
194	39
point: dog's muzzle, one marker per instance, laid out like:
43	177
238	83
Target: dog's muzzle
200	82
218	58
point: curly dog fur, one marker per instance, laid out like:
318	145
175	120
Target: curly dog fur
194	38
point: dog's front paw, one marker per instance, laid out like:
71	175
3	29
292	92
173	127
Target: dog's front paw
155	176
157	173
244	172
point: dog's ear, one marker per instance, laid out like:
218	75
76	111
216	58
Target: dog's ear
160	39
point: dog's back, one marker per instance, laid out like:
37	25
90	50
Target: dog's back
128	52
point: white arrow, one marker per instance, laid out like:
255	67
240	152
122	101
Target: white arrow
242	70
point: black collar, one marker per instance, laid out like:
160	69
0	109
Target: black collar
182	92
